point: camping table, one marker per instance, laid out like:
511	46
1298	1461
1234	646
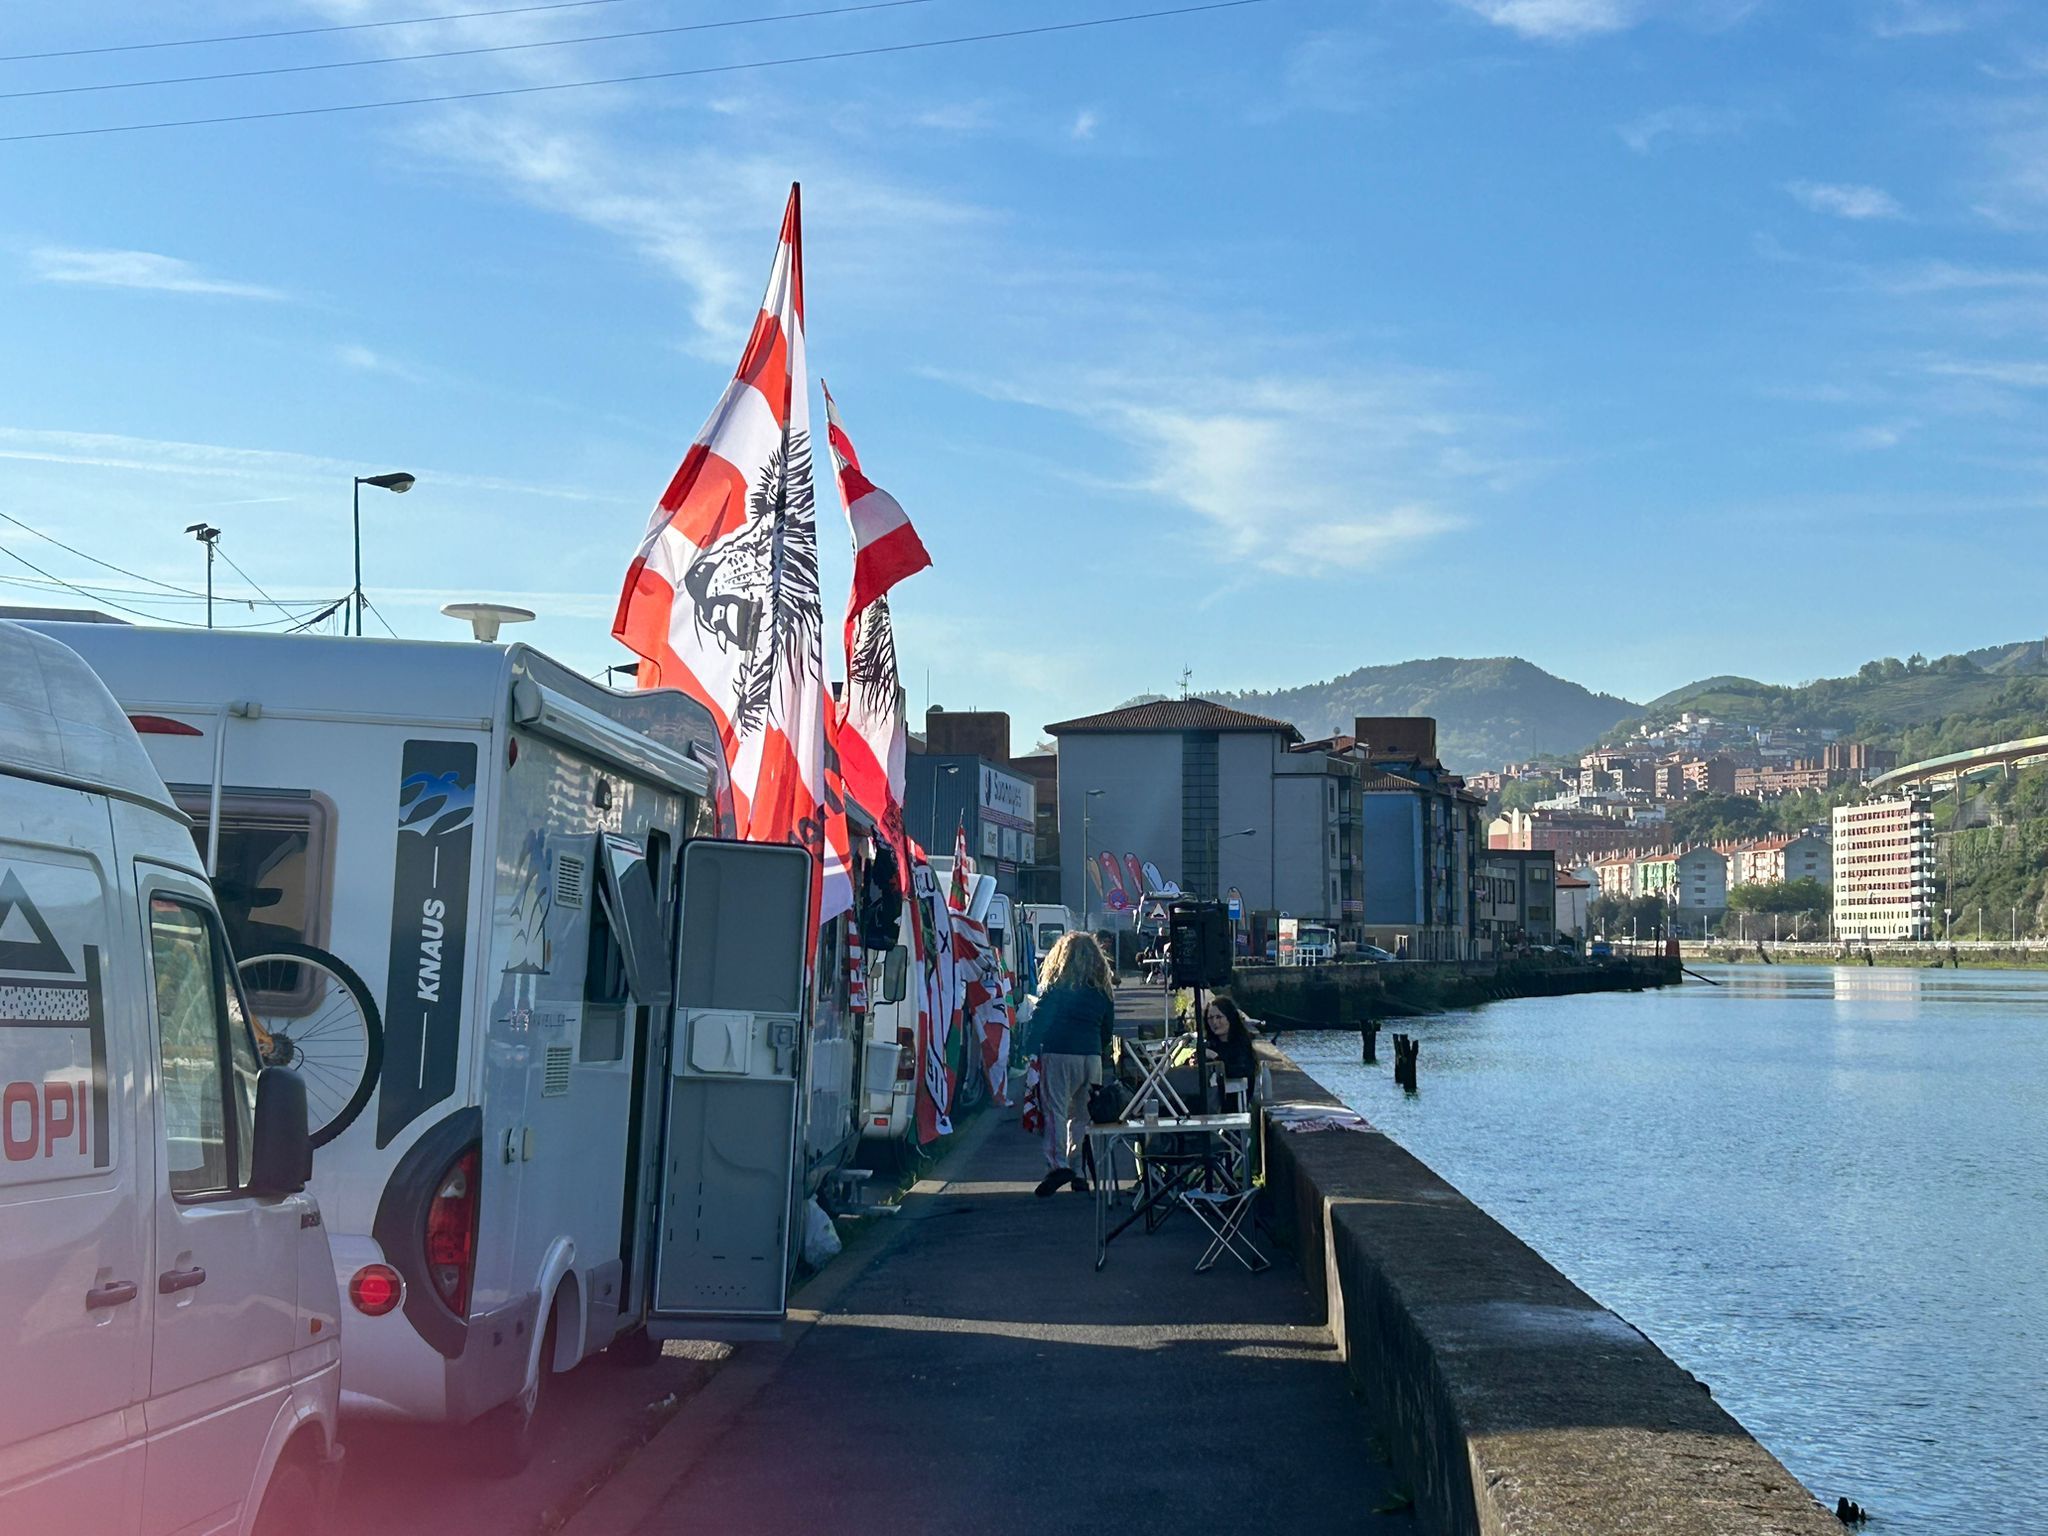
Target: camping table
1104	1136
1156	1054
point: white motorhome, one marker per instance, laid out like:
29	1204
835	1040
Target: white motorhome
585	1120
889	1078
171	1318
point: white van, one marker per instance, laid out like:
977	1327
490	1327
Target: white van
578	1120
167	1299
1045	922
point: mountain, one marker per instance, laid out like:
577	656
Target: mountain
1919	706
1489	711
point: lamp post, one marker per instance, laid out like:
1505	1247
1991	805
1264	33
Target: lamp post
1086	796
209	537
398	482
1226	837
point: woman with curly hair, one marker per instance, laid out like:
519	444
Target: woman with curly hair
1073	1021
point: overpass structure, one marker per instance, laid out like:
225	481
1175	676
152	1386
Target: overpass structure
1958	766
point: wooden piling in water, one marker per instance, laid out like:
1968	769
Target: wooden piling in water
1369	1035
1406	1049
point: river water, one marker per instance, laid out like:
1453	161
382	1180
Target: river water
1822	1190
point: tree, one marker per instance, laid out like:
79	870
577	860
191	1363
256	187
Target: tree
1807	895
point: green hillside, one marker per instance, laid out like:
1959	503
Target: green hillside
1488	711
1919	706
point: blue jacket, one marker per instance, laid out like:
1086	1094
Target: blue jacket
1073	1021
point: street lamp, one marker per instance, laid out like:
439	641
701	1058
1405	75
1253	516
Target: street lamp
398	483
1226	837
1086	796
209	536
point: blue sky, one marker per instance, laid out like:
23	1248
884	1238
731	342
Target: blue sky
1647	339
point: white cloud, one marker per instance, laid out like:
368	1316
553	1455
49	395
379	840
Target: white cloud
1327	71
156	456
1919	18
144	270
1557	20
1086	121
2013	375
1873	438
362	359
1689	123
704	215
1845	200
1287	478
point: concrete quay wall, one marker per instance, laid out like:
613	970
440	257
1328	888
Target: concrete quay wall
1510	1402
1347	994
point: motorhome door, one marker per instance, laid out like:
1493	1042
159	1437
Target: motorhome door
729	1143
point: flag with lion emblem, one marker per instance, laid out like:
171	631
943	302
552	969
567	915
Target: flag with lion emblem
722	598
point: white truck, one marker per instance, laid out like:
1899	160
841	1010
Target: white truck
582	1125
171	1318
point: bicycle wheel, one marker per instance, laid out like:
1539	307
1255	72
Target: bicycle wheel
314	1015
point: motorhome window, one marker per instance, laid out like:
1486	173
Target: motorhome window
272	877
604	994
1048	935
208	1084
633	909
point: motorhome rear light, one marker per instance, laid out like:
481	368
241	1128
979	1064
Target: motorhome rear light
451	1233
906	1053
882	1121
162	725
906	1036
375	1289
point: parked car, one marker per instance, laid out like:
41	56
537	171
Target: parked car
172	1333
1374	953
1600	949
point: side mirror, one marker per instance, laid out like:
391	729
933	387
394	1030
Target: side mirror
896	974
281	1156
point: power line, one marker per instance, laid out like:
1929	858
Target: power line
665	74
459	53
96	560
381	619
251	37
154	618
251	580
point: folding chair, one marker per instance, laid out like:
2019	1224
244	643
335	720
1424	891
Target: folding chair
1224	1211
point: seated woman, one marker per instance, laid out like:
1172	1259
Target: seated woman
1230	1039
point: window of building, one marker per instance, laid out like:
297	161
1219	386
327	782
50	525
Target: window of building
209	1066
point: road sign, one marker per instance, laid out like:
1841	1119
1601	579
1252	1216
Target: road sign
1117	901
1236	904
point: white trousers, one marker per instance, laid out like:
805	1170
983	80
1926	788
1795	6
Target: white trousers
1064	1081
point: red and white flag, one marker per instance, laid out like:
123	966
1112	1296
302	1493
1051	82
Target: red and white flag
885	547
722	597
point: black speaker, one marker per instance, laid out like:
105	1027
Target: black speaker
1200	934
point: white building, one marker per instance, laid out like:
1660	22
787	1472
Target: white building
1884	870
1700	885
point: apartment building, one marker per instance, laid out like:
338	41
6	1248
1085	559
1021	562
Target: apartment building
1773	860
1883	866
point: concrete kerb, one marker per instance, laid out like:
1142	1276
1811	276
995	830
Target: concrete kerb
643	1484
1508	1399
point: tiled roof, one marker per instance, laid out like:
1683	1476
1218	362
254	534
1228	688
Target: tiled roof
1175	715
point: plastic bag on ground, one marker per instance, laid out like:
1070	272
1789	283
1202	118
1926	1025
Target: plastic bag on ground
821	1238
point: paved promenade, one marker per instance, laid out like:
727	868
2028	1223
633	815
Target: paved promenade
965	1369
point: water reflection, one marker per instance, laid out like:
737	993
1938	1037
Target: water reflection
1837	1215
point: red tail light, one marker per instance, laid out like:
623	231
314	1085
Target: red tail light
375	1289
451	1233
906	1053
162	725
